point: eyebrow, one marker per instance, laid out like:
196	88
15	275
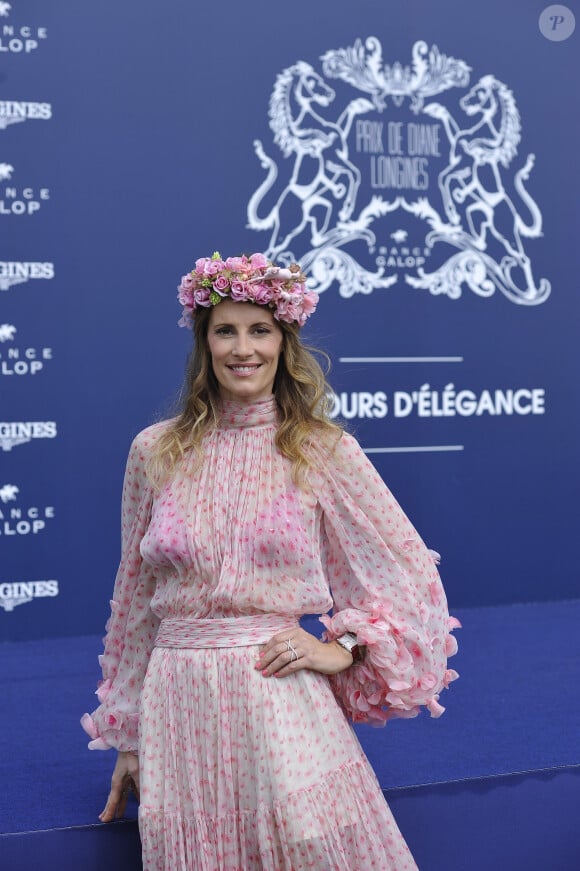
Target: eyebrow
255	324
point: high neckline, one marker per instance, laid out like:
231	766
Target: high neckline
240	415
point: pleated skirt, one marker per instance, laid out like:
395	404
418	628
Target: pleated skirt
245	773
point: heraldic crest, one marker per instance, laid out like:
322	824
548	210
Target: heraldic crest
449	174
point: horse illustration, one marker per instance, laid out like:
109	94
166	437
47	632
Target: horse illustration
8	493
6	171
7	332
322	174
473	174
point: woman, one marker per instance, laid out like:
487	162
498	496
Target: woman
239	516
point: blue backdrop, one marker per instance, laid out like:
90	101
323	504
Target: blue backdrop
419	159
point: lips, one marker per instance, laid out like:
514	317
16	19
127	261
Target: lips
245	370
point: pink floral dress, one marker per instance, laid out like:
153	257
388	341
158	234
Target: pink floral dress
240	772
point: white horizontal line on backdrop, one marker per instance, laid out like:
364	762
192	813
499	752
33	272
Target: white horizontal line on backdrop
413	449
400	359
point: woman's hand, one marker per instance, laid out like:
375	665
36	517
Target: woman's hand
124	780
295	649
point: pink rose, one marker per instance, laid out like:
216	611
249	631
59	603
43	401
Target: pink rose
212	267
200	265
262	294
288	311
239	291
258	261
221	285
185	297
236	264
185	290
201	297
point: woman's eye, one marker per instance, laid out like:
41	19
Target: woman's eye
223	331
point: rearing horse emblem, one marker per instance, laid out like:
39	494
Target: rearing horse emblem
322	206
323	180
473	180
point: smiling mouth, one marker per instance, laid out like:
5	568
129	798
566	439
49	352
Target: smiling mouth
245	370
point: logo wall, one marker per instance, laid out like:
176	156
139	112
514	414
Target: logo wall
15	112
18	519
20	432
14	272
18	38
16	593
15	360
19	515
379	182
19	200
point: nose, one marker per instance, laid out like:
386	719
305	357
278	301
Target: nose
243	345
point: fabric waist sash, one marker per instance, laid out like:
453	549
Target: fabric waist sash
184	632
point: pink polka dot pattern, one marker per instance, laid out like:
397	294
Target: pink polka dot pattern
239	771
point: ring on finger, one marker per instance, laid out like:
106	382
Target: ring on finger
292	650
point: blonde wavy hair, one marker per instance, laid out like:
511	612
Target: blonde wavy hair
300	389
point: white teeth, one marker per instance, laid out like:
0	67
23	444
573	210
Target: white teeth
243	368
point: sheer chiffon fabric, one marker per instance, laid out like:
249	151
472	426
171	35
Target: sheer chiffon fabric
241	771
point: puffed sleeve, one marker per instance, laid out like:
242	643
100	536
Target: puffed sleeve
132	626
385	588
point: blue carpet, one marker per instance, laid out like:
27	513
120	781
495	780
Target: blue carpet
515	709
514	822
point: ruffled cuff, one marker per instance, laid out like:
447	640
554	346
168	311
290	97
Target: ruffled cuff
108	727
394	679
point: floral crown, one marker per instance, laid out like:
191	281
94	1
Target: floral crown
246	279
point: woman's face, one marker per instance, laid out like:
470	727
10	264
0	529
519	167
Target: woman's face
244	342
